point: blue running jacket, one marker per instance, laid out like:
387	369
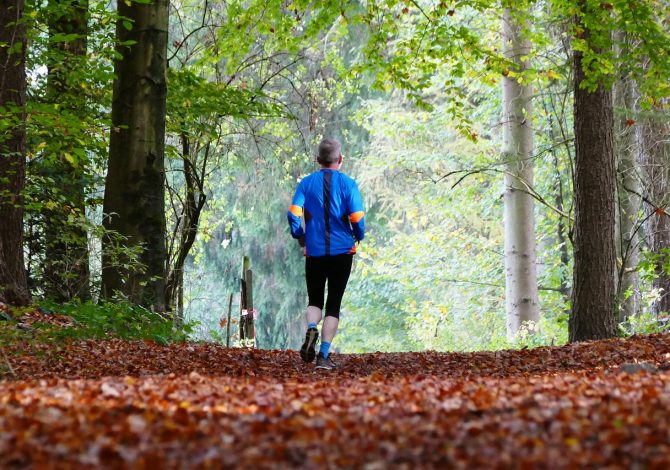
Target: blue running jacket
332	208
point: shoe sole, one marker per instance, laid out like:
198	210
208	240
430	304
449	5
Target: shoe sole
307	351
326	366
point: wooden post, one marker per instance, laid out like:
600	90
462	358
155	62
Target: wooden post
247	333
244	307
250	330
230	308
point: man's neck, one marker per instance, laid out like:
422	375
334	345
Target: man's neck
330	167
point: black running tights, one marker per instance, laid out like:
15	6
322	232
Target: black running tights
334	269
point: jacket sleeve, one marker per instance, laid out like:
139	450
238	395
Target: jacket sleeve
295	212
356	212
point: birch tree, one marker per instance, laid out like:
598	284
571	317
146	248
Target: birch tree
521	298
628	202
651	135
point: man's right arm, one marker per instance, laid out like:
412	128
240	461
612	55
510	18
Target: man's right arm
295	212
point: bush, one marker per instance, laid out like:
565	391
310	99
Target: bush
643	323
121	320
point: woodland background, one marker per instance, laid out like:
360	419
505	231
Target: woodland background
513	156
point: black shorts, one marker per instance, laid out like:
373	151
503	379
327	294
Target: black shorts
334	269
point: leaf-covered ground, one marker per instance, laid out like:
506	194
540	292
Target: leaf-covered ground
117	404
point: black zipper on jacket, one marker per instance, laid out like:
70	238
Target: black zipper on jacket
327	175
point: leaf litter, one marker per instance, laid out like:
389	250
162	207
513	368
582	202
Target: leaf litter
139	404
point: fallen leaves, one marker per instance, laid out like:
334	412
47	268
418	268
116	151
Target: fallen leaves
142	405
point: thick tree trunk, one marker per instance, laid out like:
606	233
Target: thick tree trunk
652	130
594	283
13	286
66	264
521	297
629	204
134	203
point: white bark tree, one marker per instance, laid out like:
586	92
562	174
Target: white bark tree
629	203
521	298
652	129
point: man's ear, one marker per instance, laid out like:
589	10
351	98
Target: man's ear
339	161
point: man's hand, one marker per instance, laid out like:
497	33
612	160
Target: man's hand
301	241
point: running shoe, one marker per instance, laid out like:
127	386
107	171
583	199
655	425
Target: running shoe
325	362
307	350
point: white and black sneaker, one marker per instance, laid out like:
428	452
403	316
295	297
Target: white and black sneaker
325	362
307	352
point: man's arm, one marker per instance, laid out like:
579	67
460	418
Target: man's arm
295	212
357	213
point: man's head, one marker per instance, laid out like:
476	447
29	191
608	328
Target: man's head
329	152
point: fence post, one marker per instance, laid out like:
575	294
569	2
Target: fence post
249	328
230	308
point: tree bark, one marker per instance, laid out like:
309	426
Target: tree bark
652	130
134	203
594	283
521	298
66	265
13	285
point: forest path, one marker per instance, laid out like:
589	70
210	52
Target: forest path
120	404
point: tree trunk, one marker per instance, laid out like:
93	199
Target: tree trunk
66	265
652	130
521	296
186	225
134	203
627	240
562	237
13	286
594	283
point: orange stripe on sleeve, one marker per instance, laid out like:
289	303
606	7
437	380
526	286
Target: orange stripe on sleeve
295	210
356	216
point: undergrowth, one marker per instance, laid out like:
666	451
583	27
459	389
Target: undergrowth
51	322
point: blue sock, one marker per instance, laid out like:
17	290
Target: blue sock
311	325
325	347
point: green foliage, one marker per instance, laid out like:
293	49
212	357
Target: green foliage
640	32
69	86
430	275
119	320
411	89
652	264
549	331
644	323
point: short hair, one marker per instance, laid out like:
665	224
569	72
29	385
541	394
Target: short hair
329	151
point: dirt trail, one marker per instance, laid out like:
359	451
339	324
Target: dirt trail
120	404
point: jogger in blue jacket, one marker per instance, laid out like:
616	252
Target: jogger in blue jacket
332	208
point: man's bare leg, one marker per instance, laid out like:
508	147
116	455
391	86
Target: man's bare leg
329	329
313	315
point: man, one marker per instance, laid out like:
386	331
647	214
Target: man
332	208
